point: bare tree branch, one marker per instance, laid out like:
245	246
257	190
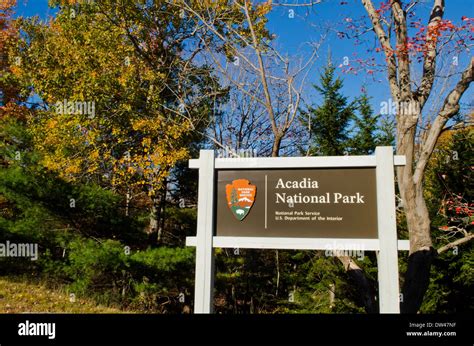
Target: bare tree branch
387	48
404	80
309	4
429	63
455	243
449	109
262	72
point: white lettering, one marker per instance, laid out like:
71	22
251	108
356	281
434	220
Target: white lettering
37	329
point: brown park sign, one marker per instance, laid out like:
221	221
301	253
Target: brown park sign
302	203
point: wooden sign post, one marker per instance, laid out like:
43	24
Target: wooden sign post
300	203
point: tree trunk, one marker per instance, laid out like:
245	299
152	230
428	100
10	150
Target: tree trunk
276	145
127	202
277	264
161	215
418	221
417	276
332	295
364	286
153	224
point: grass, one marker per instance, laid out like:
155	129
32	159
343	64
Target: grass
18	296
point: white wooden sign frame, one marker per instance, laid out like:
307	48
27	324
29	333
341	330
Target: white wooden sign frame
386	245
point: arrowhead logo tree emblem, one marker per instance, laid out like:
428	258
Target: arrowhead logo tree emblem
240	197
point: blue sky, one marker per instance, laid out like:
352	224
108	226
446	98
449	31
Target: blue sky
293	33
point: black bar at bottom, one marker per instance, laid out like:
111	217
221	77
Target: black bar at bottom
135	329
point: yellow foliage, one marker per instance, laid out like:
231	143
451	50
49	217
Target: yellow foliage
123	142
51	124
94	155
264	8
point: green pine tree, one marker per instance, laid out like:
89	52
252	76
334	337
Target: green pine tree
329	122
364	141
386	132
369	131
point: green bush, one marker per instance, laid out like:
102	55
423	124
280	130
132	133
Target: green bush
144	280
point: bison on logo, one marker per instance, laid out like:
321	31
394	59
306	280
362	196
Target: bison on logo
240	197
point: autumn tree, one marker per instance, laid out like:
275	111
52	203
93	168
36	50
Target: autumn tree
6	35
122	100
409	46
10	86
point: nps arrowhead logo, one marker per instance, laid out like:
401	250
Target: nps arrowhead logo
240	197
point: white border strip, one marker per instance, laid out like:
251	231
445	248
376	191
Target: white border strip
297	162
297	243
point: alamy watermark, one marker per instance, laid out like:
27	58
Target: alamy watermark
391	107
336	249
10	249
237	154
76	107
28	328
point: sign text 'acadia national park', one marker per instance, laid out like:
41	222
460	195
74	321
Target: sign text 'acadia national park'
330	203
